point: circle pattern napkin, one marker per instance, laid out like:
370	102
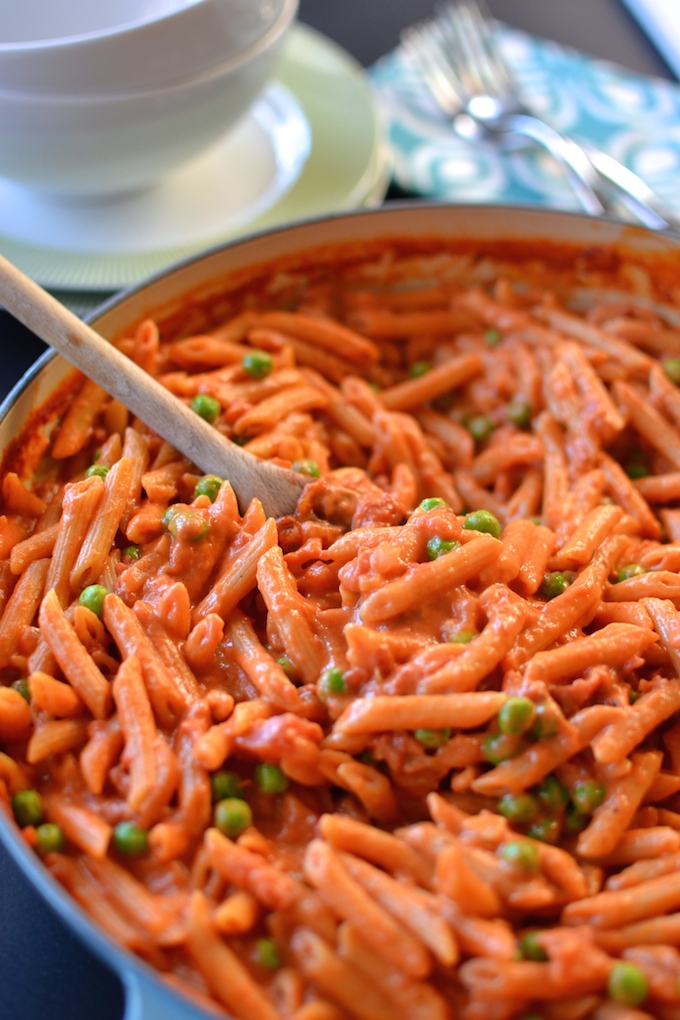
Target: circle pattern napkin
630	116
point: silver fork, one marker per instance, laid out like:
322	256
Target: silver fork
460	63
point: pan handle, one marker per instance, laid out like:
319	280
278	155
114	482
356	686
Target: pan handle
146	998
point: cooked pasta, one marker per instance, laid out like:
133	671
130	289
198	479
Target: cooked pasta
413	750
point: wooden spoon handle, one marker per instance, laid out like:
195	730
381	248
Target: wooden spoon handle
276	487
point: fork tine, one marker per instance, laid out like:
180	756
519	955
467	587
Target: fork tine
484	24
426	47
466	55
470	24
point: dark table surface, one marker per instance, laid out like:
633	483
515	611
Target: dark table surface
45	972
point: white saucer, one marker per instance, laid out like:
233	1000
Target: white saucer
310	145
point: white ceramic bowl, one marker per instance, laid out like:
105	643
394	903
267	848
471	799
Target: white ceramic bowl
33	20
78	46
116	142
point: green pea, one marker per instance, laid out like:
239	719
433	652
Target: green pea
553	584
480	427
434	501
516	715
637	469
233	816
519	412
224	785
546	723
552	793
531	948
437	547
546	830
169	516
307	467
574	821
27	807
432	739
632	696
492	337
97	471
520	808
270	778
130	840
482	520
241	440
93	597
672	369
268	954
630	570
206	407
463	637
500	747
332	682
258	364
22	687
627	984
133	552
50	838
419	368
208	485
522	854
187	523
587	796
287	666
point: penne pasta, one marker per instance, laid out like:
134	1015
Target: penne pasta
413	749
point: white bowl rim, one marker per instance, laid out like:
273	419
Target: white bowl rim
244	56
61	42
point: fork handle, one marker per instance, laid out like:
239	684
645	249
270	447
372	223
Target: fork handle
578	167
594	173
634	193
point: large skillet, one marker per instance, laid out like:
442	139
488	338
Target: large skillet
146	996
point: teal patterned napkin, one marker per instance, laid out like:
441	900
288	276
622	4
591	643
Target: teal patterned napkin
632	117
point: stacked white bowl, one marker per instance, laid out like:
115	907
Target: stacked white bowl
106	98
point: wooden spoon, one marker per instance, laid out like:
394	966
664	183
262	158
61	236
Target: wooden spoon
276	487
